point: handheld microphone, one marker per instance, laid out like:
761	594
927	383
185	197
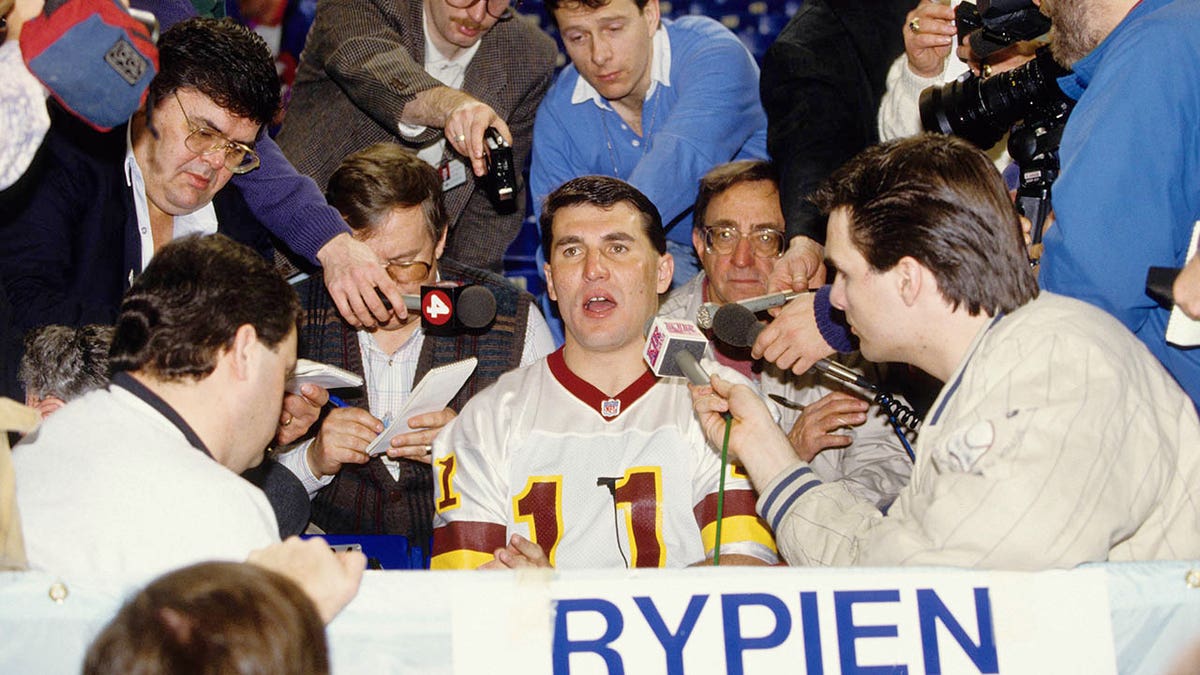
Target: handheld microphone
449	309
737	326
668	339
706	315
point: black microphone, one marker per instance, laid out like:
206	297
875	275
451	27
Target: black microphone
446	309
736	325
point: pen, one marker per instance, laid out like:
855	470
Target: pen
337	402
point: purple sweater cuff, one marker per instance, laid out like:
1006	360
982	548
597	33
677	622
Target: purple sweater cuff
833	328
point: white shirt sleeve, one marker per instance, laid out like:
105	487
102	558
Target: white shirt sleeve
296	461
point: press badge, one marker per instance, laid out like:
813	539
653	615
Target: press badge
453	172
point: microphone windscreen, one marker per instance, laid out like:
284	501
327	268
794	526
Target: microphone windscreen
735	325
666	338
476	307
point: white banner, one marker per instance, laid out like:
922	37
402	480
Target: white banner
756	620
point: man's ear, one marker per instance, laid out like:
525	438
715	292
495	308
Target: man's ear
441	245
244	351
653	15
666	270
909	279
549	282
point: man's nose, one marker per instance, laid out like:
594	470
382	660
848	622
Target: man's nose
743	253
594	266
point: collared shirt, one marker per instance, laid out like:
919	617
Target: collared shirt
450	72
201	221
660	73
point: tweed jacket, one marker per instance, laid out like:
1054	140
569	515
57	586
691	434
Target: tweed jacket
364	61
366	498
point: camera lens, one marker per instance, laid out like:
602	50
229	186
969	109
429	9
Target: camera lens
981	111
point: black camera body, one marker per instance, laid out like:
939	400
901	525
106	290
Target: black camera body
501	171
1025	102
993	25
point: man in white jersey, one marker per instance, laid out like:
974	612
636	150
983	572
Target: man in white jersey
585	459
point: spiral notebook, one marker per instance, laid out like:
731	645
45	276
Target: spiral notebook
433	393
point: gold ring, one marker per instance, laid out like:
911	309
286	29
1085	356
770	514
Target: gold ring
915	24
289	421
429	449
460	138
986	70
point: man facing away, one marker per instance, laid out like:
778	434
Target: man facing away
585	459
1058	438
431	75
738	234
205	339
392	201
656	103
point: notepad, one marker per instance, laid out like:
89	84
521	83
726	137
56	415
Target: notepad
321	374
433	393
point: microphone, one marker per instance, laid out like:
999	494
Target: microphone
707	312
450	309
737	326
666	340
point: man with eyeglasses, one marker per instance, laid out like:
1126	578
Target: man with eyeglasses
431	75
392	201
105	205
738	234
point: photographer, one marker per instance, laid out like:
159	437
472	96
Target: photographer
1129	194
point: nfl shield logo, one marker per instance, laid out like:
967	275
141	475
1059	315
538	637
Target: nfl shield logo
610	407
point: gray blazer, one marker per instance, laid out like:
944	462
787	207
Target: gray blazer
364	61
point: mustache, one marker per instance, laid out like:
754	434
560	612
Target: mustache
467	23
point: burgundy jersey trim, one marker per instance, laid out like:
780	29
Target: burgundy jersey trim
468	536
608	407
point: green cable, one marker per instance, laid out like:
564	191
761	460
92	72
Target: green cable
721	488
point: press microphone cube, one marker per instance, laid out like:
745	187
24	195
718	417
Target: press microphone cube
665	339
448	310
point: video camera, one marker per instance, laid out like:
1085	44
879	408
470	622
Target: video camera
1025	102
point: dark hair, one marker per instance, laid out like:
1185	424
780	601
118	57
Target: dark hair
221	59
189	303
941	201
553	6
724	176
213	617
371	182
65	361
604	192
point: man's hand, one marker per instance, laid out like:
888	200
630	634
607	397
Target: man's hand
462	119
299	412
352	273
802	267
418	445
464	128
928	37
1187	289
754	439
342	439
330	579
792	339
813	430
520	552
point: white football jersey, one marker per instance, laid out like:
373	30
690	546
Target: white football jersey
596	481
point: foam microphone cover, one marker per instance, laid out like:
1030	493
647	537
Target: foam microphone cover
735	325
476	307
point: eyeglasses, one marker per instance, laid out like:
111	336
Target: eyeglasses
239	157
407	271
495	8
765	242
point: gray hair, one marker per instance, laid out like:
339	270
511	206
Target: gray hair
65	362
